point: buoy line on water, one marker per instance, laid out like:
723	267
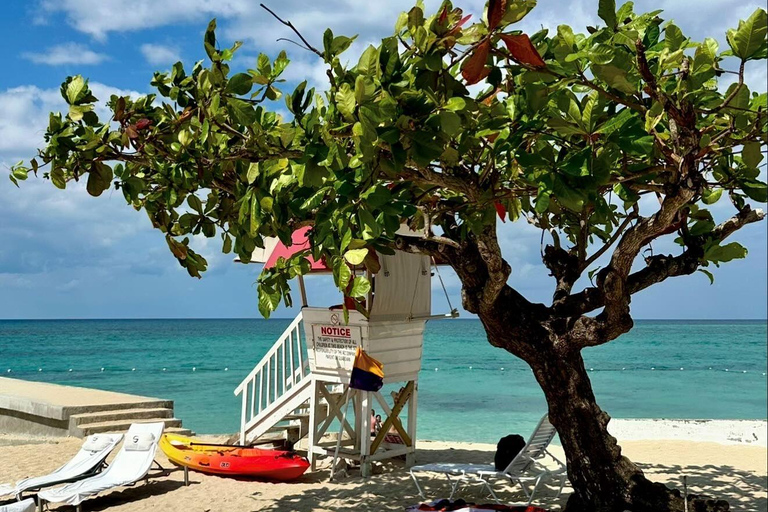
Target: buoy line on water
166	369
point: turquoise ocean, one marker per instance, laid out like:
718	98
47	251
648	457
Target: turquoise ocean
469	390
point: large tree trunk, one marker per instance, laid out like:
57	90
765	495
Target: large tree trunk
602	479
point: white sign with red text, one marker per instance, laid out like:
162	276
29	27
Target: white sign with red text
335	345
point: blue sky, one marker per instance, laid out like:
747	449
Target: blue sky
67	255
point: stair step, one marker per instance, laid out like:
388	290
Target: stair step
123	425
282	428
122	414
179	431
289	417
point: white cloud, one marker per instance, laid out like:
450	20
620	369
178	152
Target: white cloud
158	54
100	17
66	53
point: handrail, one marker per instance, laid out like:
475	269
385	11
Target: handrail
281	370
272	351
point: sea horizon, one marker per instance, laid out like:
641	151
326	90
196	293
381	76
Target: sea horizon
683	368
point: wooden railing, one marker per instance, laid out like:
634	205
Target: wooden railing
279	371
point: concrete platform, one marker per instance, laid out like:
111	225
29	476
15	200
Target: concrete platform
28	407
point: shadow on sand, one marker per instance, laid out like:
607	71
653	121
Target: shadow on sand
744	490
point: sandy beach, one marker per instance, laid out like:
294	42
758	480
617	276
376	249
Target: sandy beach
731	470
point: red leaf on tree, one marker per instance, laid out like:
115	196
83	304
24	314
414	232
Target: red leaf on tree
522	50
443	15
501	211
458	25
142	124
473	70
131	131
496	10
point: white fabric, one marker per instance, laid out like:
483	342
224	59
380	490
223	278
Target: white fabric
140	442
99	442
402	287
82	463
127	468
27	505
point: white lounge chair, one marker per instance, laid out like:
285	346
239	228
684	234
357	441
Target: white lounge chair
27	505
88	461
131	464
524	468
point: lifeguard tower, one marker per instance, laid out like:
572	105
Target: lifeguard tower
298	389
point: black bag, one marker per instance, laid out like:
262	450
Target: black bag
507	449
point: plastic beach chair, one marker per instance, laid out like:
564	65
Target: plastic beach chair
131	464
27	505
87	462
523	469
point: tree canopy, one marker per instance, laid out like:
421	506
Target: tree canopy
450	124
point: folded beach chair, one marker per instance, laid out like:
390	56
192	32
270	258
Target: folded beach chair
131	464
27	505
88	461
524	468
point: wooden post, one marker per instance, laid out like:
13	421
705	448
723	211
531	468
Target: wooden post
313	402
303	291
410	458
243	415
365	434
186	476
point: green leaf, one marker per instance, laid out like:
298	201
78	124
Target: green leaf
75	87
253	172
450	122
756	190
724	253
355	256
711	196
673	37
607	11
456	103
345	101
517	10
750	36
751	154
240	84
708	274
266	203
360	287
242	111
615	77
99	179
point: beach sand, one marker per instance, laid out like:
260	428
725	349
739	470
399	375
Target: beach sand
736	472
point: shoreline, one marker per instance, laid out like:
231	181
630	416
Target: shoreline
734	472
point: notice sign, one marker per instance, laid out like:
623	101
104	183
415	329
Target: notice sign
335	345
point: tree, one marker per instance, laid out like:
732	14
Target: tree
454	126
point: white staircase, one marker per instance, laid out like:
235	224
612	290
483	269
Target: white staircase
276	394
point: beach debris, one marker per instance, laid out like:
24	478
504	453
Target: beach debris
70	369
437	369
9	370
39	369
163	369
102	369
502	368
194	369
226	369
133	369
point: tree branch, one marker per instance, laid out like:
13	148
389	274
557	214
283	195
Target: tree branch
290	25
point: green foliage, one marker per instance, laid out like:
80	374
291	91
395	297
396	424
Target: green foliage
562	132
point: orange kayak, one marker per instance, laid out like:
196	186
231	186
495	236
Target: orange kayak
224	460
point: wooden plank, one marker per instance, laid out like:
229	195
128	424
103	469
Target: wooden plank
393	420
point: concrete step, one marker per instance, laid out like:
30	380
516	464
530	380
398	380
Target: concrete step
179	431
122	414
118	406
123	425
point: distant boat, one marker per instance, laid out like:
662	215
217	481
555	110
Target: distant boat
226	460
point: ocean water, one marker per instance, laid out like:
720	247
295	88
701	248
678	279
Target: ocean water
469	390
